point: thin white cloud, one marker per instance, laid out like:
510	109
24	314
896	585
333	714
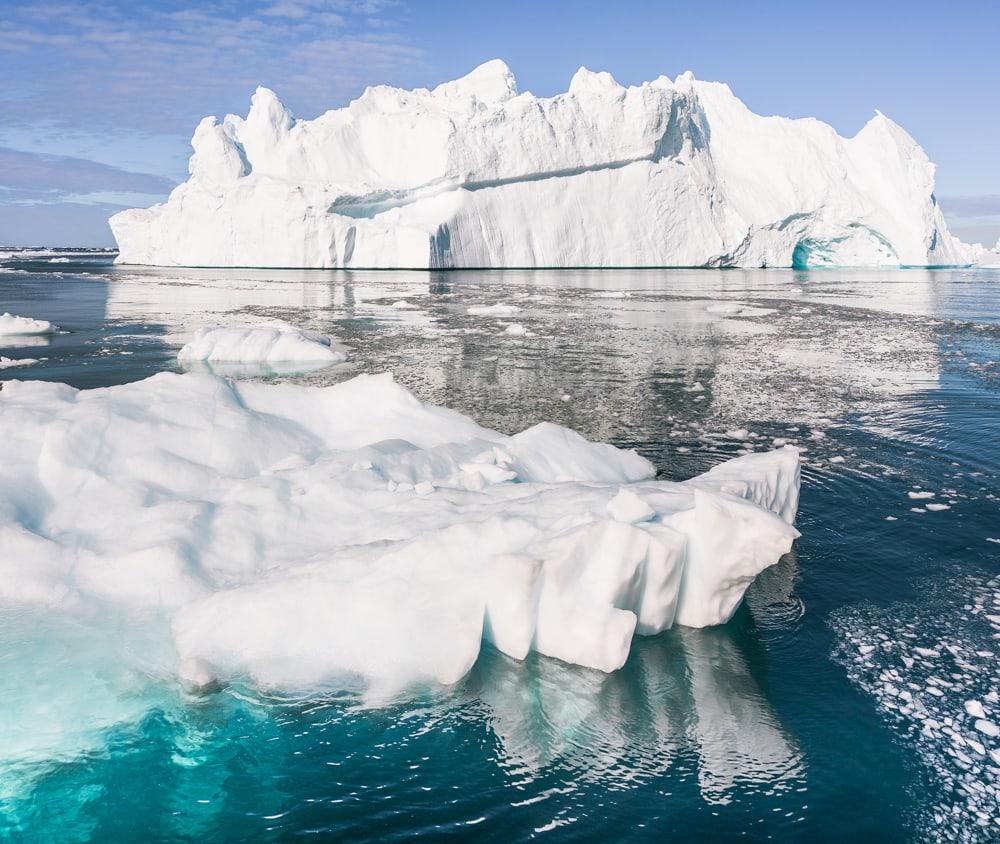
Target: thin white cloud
136	67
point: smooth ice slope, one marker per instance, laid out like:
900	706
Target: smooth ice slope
474	174
351	535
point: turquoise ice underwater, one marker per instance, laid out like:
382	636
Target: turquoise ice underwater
840	700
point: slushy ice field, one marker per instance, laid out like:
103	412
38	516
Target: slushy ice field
854	694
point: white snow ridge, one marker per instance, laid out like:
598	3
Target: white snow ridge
474	174
302	537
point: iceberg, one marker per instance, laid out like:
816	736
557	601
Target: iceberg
670	173
352	536
260	344
18	326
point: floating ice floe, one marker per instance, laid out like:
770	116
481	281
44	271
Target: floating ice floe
306	537
278	345
498	310
10	363
11	325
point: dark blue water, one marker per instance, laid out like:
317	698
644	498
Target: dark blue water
788	723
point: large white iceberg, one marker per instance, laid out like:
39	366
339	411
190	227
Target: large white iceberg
302	537
474	174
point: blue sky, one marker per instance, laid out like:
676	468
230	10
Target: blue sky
98	99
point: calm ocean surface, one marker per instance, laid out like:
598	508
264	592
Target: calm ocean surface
830	708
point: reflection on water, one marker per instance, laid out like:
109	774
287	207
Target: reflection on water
889	382
687	692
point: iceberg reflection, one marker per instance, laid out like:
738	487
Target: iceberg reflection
686	699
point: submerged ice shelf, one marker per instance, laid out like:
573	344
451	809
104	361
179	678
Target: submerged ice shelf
474	174
352	536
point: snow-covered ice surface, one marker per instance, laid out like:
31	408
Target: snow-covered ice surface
13	325
669	173
307	537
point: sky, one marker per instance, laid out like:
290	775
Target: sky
98	100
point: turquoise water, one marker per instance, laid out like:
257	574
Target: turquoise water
787	723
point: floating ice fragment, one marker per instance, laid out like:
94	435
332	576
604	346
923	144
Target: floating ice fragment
260	344
987	728
10	363
975	709
11	325
499	310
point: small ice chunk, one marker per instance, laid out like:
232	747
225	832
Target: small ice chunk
9	363
987	728
628	507
920	494
515	329
12	325
265	343
499	310
937	507
696	387
740	434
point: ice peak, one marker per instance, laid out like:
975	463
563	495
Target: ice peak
491	82
589	80
267	109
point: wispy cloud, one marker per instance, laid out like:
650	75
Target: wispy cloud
971	206
30	173
157	67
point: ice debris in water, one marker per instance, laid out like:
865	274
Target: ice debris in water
934	675
15	325
302	537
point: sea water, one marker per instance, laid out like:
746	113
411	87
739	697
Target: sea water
833	706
